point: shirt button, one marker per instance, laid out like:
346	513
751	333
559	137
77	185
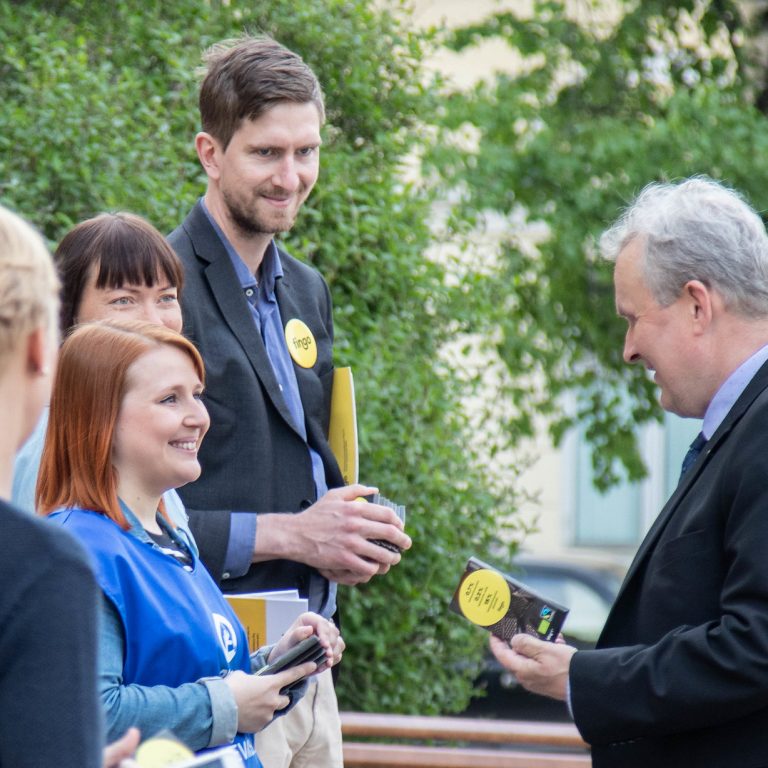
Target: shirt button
225	575
249	292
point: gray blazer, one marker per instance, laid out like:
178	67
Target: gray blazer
253	459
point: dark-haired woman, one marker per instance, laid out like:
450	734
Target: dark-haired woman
113	266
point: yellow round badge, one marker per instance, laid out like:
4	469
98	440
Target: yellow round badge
301	343
159	751
484	597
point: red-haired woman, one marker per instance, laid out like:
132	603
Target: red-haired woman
125	425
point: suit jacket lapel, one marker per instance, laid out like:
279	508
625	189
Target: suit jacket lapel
748	396
223	282
290	308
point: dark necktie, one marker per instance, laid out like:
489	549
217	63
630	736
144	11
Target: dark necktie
693	453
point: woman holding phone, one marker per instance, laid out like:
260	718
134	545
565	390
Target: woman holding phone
126	422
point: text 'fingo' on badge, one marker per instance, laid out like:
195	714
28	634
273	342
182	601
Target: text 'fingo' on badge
301	343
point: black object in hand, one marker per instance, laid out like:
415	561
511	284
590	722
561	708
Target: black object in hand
398	509
306	650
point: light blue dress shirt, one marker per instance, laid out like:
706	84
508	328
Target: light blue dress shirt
730	391
262	301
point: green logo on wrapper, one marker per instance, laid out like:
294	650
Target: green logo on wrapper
546	620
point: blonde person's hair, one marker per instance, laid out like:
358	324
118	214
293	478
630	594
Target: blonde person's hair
28	283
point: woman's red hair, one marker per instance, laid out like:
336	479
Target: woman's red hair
76	468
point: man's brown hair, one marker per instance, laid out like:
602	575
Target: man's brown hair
245	77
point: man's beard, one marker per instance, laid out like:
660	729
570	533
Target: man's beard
249	223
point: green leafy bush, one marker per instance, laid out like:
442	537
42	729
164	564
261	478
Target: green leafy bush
98	111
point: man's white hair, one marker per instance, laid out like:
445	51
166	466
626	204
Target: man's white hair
697	229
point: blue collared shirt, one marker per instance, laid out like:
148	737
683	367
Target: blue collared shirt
262	301
730	391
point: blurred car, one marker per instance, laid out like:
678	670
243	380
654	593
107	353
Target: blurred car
588	587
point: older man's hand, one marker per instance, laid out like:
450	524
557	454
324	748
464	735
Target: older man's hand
540	667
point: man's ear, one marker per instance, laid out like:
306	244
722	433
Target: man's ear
701	304
37	352
209	153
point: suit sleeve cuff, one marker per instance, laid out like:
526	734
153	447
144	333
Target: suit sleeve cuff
242	537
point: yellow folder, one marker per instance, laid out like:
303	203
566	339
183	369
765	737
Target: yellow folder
267	615
342	432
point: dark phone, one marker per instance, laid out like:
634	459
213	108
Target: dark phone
307	650
398	509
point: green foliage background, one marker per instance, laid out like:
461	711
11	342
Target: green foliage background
98	111
601	107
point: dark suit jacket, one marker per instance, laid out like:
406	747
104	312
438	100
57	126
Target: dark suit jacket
253	459
680	674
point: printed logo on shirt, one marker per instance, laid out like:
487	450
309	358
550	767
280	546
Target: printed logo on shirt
226	634
301	343
247	748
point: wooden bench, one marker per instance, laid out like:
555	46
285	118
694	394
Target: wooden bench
471	743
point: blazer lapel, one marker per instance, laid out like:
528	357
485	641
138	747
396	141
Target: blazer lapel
224	285
663	518
289	307
748	396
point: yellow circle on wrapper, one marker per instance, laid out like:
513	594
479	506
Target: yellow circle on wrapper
159	751
301	343
484	597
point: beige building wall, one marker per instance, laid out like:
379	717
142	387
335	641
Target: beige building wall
549	480
543	481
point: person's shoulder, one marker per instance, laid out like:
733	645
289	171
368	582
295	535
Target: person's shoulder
86	521
27	465
179	239
14	522
39	538
33	445
182	239
194	226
